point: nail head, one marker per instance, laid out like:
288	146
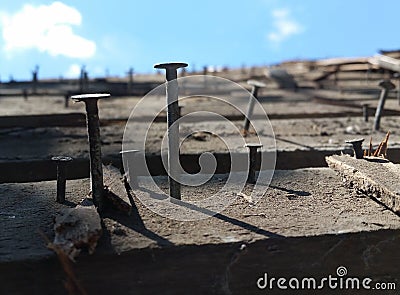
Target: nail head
83	97
357	140
256	83
61	159
253	145
128	151
387	84
170	65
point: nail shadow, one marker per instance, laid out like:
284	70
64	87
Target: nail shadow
234	221
135	222
69	204
376	160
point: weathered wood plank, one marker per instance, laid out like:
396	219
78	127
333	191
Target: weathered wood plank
386	62
376	177
282	78
341	61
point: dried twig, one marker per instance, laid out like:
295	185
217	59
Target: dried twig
72	284
382	148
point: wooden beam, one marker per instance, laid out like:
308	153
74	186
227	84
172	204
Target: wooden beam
341	61
386	62
376	177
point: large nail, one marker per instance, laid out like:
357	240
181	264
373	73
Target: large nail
386	86
250	107
173	129
93	126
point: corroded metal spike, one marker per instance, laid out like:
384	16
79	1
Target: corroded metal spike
357	147
370	147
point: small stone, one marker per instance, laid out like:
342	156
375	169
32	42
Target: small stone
77	228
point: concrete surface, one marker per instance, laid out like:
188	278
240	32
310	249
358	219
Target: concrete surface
308	207
307	223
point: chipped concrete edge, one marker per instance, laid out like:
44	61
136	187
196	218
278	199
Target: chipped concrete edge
356	179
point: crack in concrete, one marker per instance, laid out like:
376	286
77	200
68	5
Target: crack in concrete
329	252
234	259
371	251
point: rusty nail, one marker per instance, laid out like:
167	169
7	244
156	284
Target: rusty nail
129	174
25	94
130	80
357	147
397	77
253	147
61	162
386	86
254	93
83	80
93	126
35	79
365	108
173	131
66	100
205	73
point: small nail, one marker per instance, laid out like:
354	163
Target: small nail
254	93
365	108
357	147
129	173
61	162
253	147
386	86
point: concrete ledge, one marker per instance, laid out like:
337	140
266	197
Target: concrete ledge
376	177
217	269
44	169
49	120
306	224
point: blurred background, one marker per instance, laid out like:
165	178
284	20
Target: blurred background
110	37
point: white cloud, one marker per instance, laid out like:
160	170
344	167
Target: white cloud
47	28
285	26
74	71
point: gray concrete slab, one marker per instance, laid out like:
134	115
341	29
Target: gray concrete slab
299	203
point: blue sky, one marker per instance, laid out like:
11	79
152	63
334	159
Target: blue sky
112	36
